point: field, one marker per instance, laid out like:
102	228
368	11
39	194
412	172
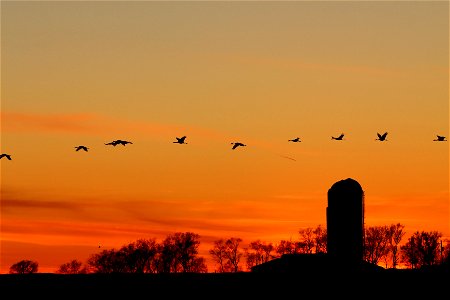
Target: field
249	285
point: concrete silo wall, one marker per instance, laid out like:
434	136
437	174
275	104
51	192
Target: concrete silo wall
345	221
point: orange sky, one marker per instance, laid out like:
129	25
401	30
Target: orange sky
218	72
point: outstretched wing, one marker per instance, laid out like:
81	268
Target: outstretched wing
235	146
384	135
5	155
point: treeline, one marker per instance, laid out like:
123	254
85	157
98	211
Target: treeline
178	252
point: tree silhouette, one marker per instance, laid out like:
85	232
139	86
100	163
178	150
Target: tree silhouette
233	254
320	239
258	252
179	253
107	261
376	243
218	255
422	249
445	253
24	267
198	265
312	240
227	254
72	267
168	262
139	256
287	247
307	239
396	235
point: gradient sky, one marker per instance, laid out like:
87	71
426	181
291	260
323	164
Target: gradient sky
86	73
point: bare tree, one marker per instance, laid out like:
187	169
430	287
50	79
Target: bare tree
251	259
287	247
218	254
138	256
320	239
409	254
168	262
72	267
376	243
198	265
233	254
422	249
24	267
177	253
307	239
396	234
108	261
258	252
445	252
180	252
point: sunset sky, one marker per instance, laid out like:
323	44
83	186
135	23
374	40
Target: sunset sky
261	73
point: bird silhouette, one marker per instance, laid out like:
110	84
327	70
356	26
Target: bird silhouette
235	145
123	143
180	140
440	139
296	140
78	148
5	155
382	137
339	138
117	142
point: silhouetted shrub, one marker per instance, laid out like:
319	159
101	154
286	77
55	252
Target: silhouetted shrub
24	267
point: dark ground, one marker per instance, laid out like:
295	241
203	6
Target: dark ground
249	285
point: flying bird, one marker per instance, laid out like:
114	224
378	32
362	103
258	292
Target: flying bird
440	139
382	137
180	140
5	155
117	142
123	143
78	148
339	138
237	145
296	140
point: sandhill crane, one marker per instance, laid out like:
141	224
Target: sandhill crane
235	145
180	140
117	142
113	143
78	148
440	139
296	140
5	155
382	137
339	138
123	143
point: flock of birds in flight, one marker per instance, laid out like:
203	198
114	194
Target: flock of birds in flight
182	140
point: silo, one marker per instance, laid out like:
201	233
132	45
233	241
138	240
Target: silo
345	221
